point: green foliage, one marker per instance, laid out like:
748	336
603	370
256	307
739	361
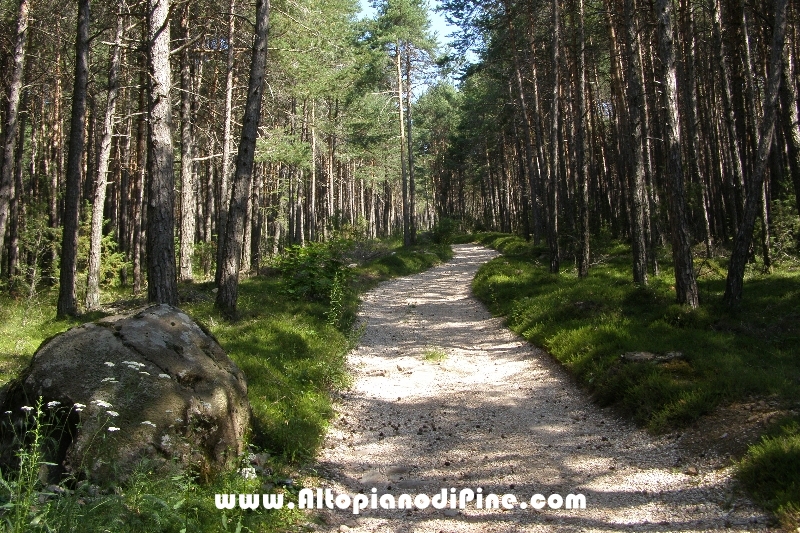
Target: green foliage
292	349
434	354
311	271
281	147
771	472
444	231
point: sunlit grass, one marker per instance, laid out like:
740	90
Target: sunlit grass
294	359
587	324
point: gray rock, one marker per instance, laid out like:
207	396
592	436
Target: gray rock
149	386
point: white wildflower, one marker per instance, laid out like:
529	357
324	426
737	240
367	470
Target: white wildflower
145	373
112	413
164	376
8	412
101	403
112	429
248	473
106	379
148	423
109	364
27	408
53	403
79	405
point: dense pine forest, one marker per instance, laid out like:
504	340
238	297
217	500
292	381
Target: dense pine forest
260	164
147	143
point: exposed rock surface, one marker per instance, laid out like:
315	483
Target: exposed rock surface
151	385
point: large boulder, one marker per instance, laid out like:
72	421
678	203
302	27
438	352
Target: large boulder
151	386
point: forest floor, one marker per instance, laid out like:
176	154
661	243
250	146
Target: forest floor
444	396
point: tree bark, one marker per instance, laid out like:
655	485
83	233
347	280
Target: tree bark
232	254
790	120
98	202
744	237
67	306
581	148
412	186
685	283
12	118
225	175
637	178
188	196
552	227
161	269
403	169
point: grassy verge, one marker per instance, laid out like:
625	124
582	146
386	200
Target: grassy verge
291	348
587	324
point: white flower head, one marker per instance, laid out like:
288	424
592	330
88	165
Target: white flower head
248	473
112	429
109	364
148	423
164	376
79	405
27	408
101	403
112	413
53	404
8	412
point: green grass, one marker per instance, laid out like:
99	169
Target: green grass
293	355
771	472
587	324
434	354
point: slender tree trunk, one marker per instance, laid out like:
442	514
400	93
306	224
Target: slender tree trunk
69	243
242	183
137	204
552	229
637	179
403	169
790	120
12	117
161	269
685	283
730	115
744	237
188	196
224	187
412	186
582	159
103	158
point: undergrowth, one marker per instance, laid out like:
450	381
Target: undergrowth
588	324
294	329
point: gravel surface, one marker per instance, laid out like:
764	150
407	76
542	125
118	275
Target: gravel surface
499	414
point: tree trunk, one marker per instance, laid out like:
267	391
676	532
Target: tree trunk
69	243
582	159
188	196
790	120
225	175
403	169
685	283
637	179
12	117
412	186
161	272
552	227
744	237
98	202
232	254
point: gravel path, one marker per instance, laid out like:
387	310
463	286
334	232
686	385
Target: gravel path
499	414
